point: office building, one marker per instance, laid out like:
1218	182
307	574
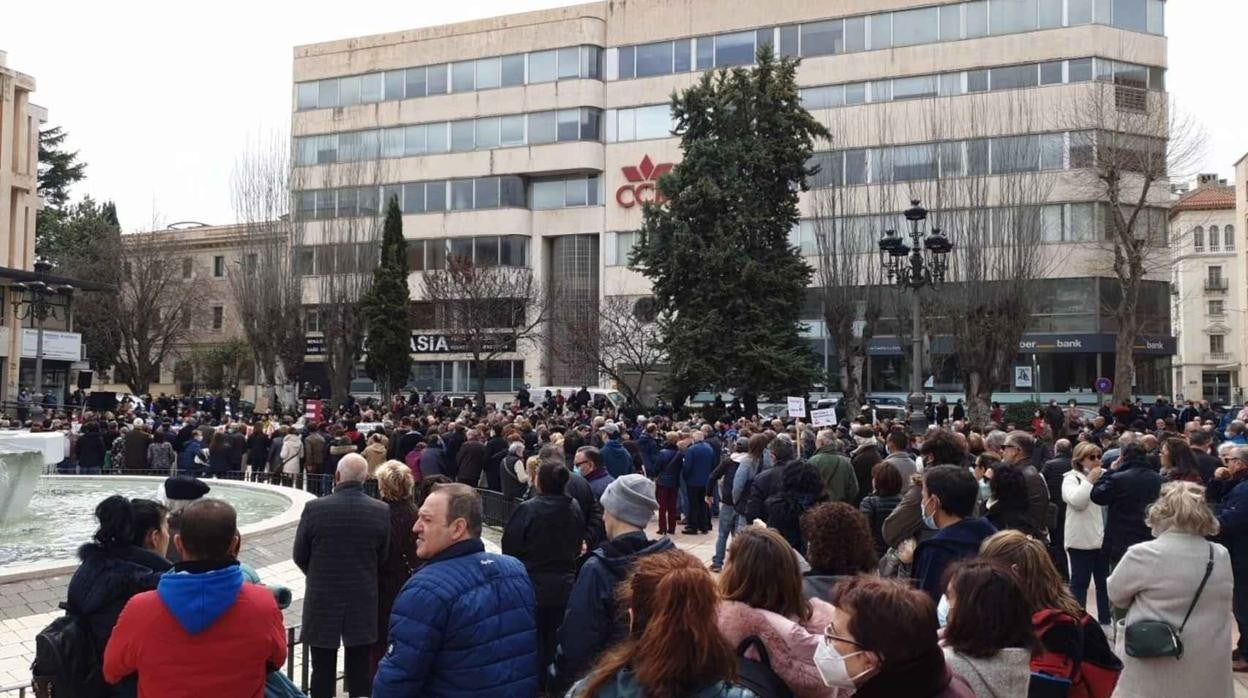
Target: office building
530	140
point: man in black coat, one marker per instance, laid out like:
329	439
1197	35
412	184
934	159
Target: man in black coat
769	481
1053	471
1208	463
341	540
470	462
1126	491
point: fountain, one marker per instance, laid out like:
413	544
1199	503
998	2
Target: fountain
19	473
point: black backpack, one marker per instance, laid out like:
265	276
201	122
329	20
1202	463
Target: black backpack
757	674
66	661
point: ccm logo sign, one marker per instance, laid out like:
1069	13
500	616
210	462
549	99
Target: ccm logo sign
641	181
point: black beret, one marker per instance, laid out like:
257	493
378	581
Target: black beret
185	488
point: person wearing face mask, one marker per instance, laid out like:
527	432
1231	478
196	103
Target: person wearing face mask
882	643
1085	529
948	504
988	638
906	520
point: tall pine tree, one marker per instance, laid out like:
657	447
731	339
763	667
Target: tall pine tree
386	309
728	284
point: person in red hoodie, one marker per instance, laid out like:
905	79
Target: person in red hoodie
204	631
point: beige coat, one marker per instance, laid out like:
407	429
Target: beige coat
1156	580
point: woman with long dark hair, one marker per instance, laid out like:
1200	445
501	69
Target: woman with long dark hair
673	647
123	558
1178	463
988	640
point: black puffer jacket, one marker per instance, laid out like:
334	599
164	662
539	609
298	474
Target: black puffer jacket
1126	492
106	580
545	533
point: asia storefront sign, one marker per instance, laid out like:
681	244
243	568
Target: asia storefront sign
422	343
641	183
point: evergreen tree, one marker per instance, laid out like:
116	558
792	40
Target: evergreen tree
58	168
728	284
389	360
86	244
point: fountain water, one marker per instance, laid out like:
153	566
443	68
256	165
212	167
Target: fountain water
19	473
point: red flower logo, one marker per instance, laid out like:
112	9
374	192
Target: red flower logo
646	171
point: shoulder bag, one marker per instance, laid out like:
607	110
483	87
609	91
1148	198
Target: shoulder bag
1148	639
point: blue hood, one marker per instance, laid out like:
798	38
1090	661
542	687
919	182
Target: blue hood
198	600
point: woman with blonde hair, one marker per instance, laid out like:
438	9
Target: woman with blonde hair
763	597
1186	581
397	488
1084	529
673	647
1075	647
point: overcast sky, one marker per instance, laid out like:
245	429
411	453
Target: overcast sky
160	98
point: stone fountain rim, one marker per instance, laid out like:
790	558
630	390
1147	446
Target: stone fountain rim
290	517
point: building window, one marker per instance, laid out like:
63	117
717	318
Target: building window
1217	344
218	317
1217	308
1228	234
188	267
1198	238
1215	238
1214	280
621	247
311	320
218	266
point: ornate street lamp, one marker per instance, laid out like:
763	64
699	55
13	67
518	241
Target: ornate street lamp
922	262
39	308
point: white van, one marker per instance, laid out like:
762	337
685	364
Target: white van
538	393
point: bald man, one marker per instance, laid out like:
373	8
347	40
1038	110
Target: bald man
341	541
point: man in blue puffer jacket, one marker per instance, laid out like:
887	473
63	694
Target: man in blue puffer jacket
615	458
465	624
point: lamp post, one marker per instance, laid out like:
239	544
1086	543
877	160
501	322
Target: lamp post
38	308
923	262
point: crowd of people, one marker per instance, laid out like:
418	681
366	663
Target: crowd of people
861	559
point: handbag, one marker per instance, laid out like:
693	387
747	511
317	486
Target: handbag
1148	639
758	674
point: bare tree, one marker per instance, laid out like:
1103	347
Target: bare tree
266	289
155	309
1130	142
486	311
623	343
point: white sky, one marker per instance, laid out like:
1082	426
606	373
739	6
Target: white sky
160	98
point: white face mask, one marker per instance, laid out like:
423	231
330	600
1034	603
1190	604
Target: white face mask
832	669
942	611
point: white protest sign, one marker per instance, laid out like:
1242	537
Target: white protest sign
823	418
797	407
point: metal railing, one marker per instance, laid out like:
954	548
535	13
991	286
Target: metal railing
496	511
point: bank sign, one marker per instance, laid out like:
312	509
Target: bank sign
427	344
641	180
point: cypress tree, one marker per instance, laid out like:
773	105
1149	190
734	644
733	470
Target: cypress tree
727	282
385	309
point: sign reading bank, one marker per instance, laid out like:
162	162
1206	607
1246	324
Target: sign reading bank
640	187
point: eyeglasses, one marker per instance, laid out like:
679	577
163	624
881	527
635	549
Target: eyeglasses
829	636
579	462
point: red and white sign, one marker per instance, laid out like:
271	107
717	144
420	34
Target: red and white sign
640	188
313	411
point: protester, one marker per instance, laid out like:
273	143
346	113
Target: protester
882	643
135	444
590	623
1021	449
899	456
754	463
838	545
722	477
397	488
762	597
885	496
1054	472
988	638
160	454
545	533
800	489
615	459
1085	530
178	493
588	462
672	647
464	624
949	495
1126	493
1008	507
1229	494
124	557
1162	580
341	542
768	480
1178	462
835	470
700	459
204	631
864	456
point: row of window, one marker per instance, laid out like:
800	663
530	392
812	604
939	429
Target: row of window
484	133
568	63
1224	239
451	195
983	80
422	255
925	25
981	156
457	377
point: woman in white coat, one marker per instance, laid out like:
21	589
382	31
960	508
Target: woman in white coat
1085	529
292	453
1158	579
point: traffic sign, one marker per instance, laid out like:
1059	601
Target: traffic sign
1104	385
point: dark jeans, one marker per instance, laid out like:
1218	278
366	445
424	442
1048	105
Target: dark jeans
1057	546
668	515
1085	565
1239	607
548	620
699	514
325	671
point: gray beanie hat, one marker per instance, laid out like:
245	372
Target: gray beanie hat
630	499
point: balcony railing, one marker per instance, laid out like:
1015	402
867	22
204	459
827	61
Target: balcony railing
1216	285
1218	357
